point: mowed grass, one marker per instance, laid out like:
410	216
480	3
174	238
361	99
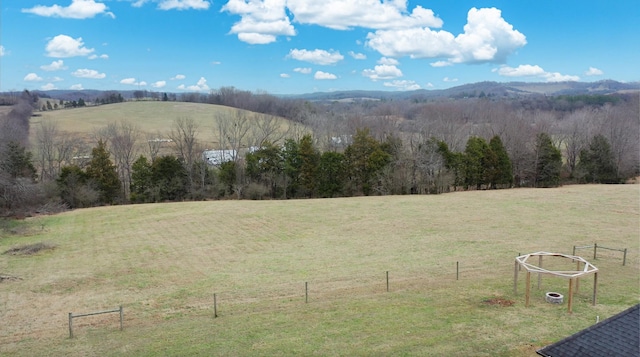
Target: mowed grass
164	262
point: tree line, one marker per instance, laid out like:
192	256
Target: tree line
331	150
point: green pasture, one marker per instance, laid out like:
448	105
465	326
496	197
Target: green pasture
164	262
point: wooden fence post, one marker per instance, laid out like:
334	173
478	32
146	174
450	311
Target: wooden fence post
70	325
624	257
595	250
121	318
306	292
387	281
215	306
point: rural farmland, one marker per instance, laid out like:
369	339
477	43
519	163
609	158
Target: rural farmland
164	262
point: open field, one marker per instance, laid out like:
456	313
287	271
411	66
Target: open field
164	262
148	116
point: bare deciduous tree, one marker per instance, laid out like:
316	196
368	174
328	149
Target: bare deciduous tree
184	136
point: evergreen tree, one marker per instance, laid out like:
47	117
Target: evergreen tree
17	161
475	162
102	172
292	163
74	188
331	174
309	160
548	162
169	179
365	158
597	163
141	180
500	172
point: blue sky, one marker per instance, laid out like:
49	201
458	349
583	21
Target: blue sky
303	46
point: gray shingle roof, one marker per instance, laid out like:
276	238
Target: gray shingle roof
617	336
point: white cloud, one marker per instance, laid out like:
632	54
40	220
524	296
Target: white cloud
48	86
183	4
343	15
447	79
303	70
200	86
429	85
402	85
526	70
76	87
54	66
32	77
139	3
88	73
57	79
79	9
63	46
260	21
558	77
358	56
92	57
521	71
592	71
316	56
389	61
2	52
133	82
383	71
284	75
159	84
178	77
487	37
324	75
441	64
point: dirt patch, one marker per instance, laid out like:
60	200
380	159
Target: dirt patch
499	302
30	249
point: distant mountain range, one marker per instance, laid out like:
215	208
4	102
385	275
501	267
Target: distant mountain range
480	89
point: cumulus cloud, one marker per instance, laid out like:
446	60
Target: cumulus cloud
284	75
316	56
383	71
32	77
344	15
521	71
358	56
88	73
48	86
200	86
54	66
63	46
182	4
449	80
260	21
402	85
303	70
2	52
527	70
92	57
159	84
178	77
441	64
324	75
592	71
487	37
133	82
76	87
389	61
79	9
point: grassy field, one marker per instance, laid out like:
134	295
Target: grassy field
164	262
148	116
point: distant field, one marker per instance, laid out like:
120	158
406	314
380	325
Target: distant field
164	262
149	116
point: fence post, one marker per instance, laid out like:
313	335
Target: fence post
457	270
387	281
624	257
306	292
215	306
70	325
574	250
595	250
121	318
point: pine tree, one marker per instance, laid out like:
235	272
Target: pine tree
548	162
501	170
103	173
